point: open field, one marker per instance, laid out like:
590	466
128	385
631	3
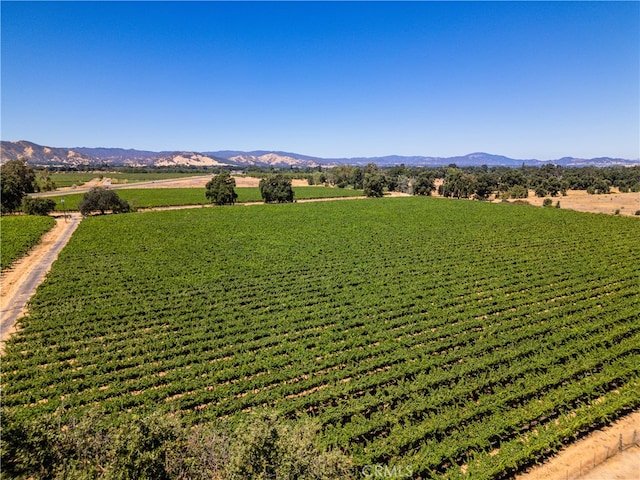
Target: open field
69	179
19	234
624	203
449	336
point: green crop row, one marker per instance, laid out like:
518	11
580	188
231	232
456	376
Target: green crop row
166	197
419	331
18	234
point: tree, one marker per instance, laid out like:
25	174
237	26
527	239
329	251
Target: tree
457	184
38	206
510	178
518	191
17	179
46	184
221	189
101	199
374	184
485	185
423	184
276	189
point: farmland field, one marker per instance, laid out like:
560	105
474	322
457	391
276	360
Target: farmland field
451	336
67	179
19	234
164	197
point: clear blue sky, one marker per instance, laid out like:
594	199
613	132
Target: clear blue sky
523	79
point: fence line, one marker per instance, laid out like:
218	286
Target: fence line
611	451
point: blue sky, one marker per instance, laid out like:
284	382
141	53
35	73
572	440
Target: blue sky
330	79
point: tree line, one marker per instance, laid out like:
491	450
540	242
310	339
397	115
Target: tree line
18	180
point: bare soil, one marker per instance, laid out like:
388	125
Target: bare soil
200	182
587	458
579	200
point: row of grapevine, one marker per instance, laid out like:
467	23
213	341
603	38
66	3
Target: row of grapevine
419	332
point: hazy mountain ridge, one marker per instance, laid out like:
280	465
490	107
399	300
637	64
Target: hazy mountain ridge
100	157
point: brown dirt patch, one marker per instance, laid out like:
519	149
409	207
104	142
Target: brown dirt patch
199	182
587	458
581	201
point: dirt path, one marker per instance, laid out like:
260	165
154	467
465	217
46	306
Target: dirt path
587	458
19	283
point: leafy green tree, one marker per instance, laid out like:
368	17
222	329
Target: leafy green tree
38	206
276	189
423	184
45	182
357	178
340	176
599	186
101	199
510	178
485	185
221	189
457	184
16	179
518	191
374	184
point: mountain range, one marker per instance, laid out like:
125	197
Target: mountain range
39	155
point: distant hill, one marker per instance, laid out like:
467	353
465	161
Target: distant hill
104	157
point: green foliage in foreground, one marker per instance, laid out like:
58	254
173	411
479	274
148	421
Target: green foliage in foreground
157	447
421	333
166	197
18	234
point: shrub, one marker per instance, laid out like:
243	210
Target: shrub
38	206
158	446
547	202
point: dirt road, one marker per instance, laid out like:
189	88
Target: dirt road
19	283
595	457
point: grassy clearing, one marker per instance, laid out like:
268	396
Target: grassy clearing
19	234
422	332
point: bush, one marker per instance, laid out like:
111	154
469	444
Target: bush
159	446
547	202
38	206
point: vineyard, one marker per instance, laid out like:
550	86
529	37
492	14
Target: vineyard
19	234
457	338
166	197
